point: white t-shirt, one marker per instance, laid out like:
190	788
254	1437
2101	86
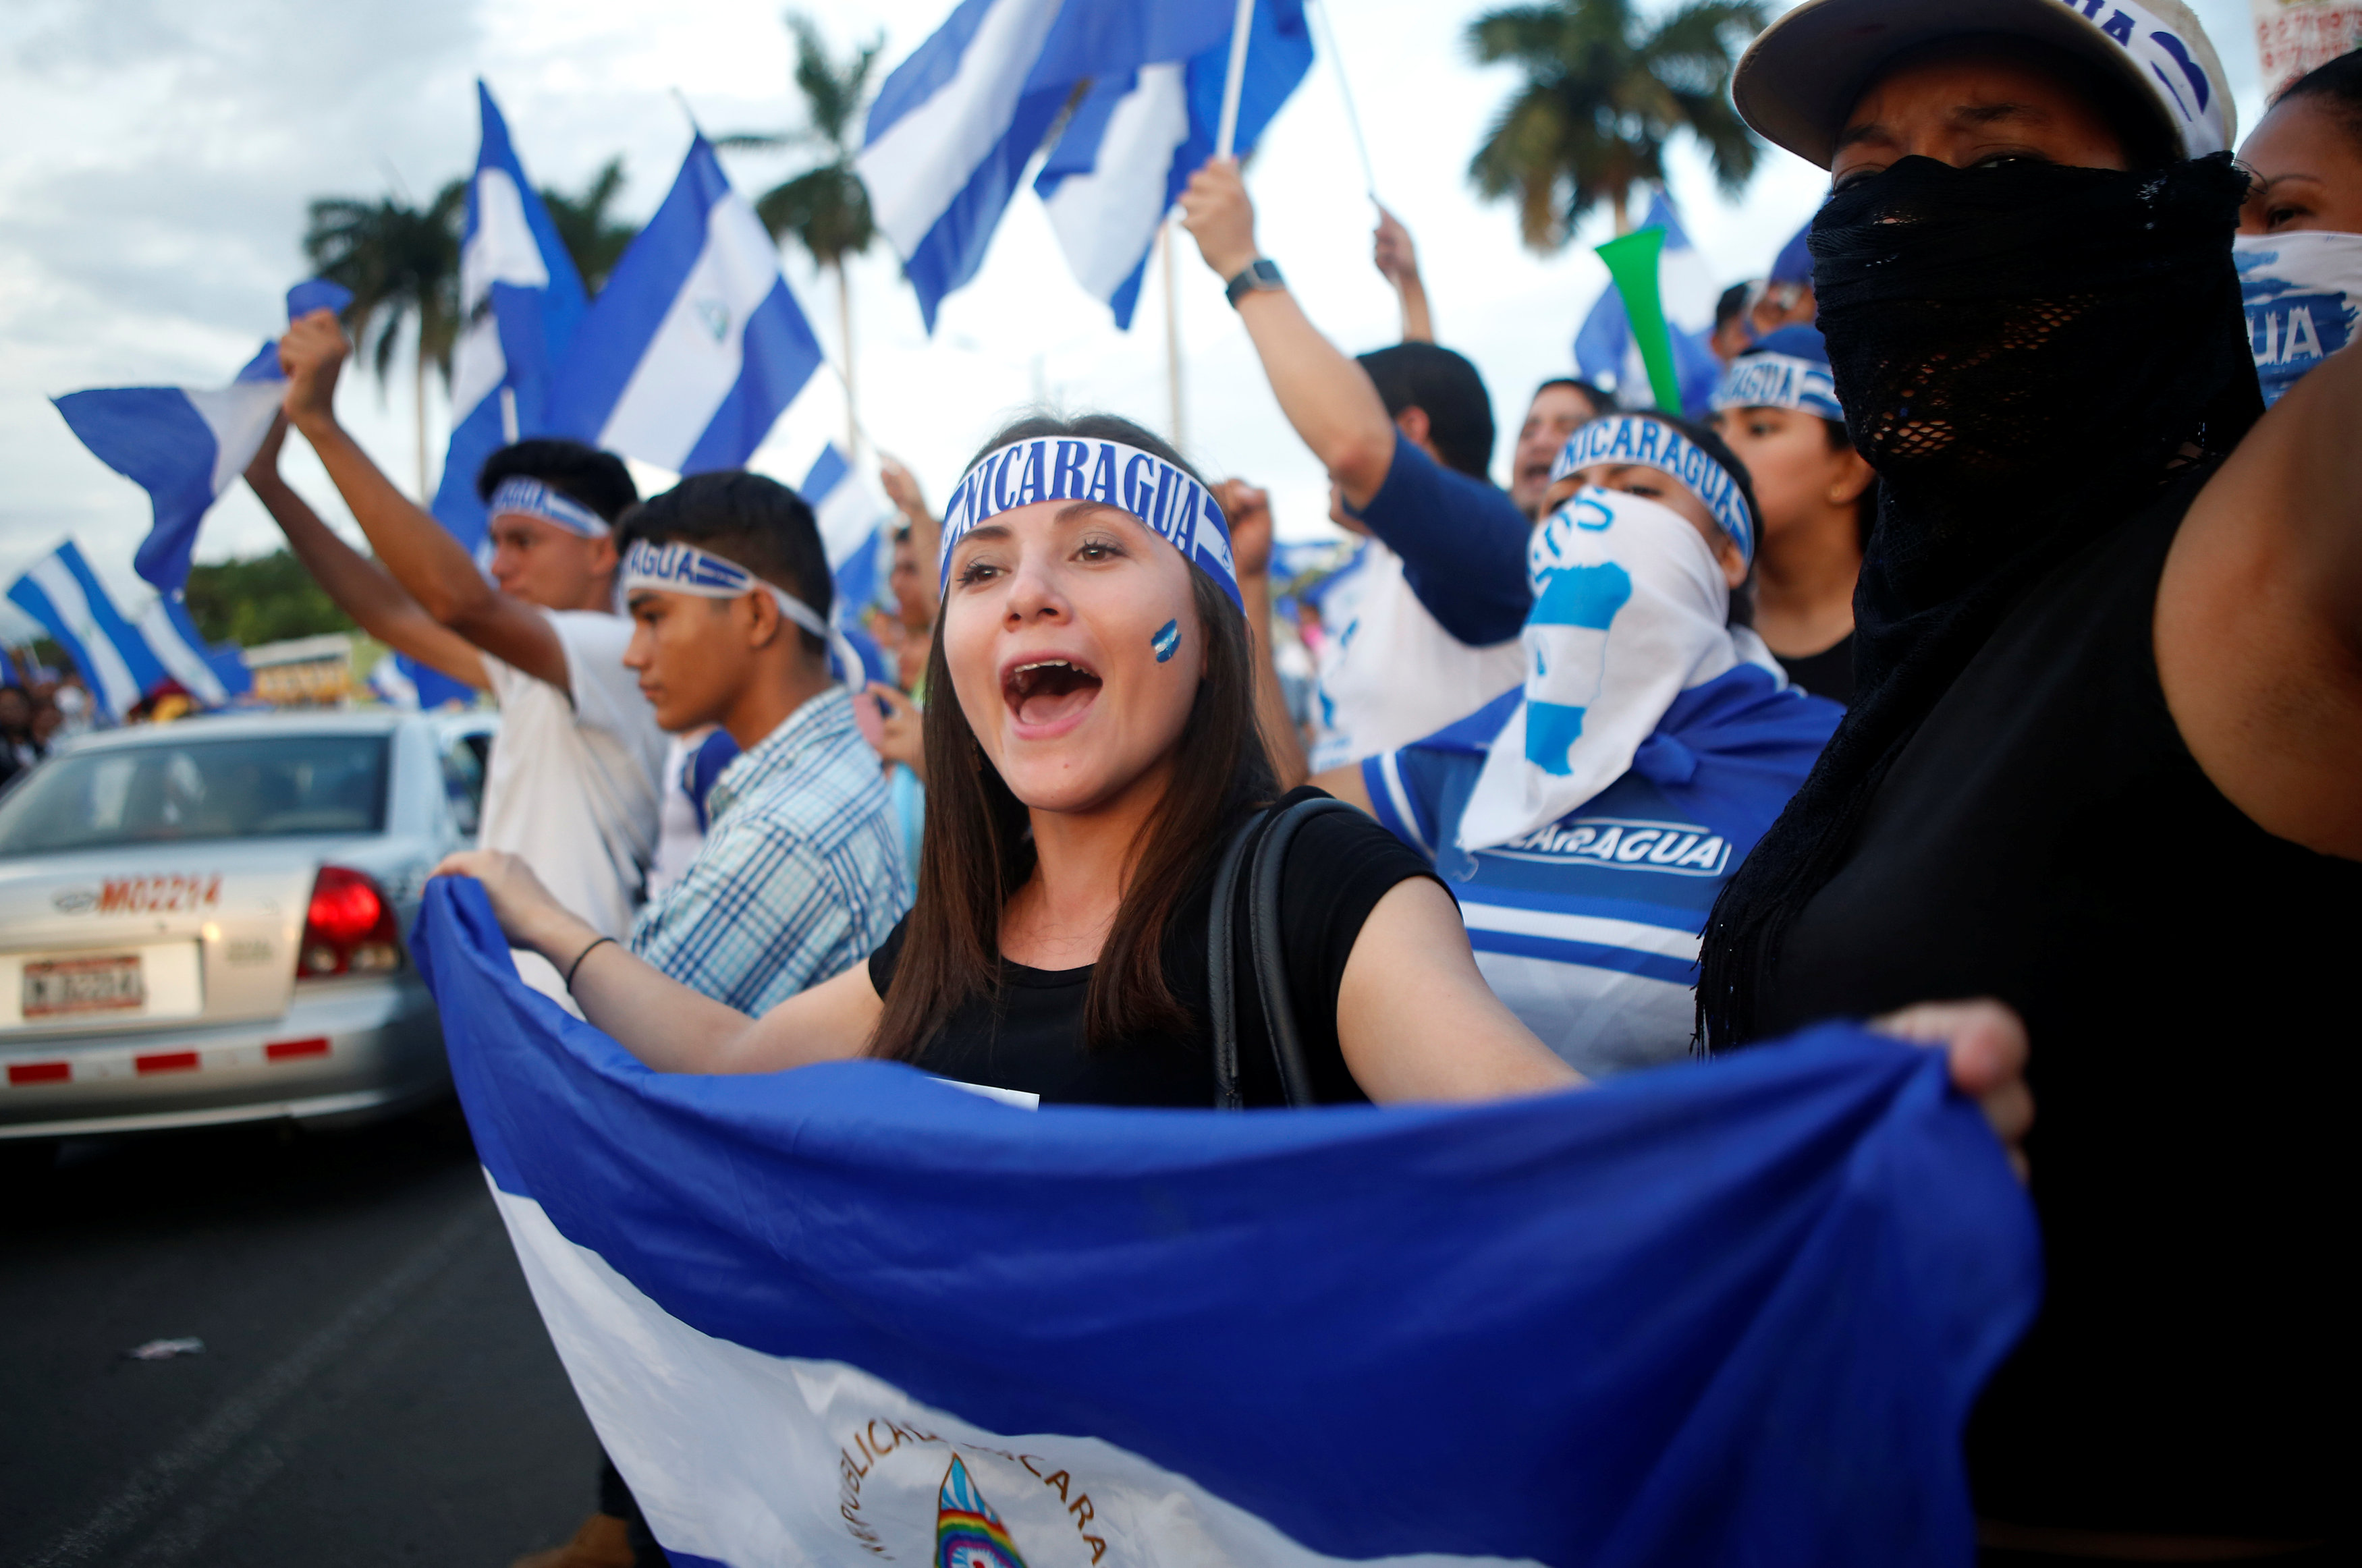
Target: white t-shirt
572	787
1394	674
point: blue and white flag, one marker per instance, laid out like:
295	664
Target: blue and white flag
521	301
64	595
852	514
1131	144
403	682
1719	1313
953	129
1604	345
184	446
212	676
695	345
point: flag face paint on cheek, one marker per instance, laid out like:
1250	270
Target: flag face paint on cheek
1167	641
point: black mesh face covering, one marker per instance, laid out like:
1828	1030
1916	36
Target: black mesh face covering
2024	354
2012	343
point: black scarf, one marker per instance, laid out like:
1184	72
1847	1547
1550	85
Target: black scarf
2024	354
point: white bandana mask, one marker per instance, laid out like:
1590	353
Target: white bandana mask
2302	293
1629	604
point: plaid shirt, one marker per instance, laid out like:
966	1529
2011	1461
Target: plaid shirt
801	871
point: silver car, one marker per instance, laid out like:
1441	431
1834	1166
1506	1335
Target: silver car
207	921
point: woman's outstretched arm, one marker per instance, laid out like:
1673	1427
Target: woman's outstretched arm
663	1023
1416	1020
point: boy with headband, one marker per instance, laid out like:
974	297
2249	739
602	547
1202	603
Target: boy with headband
800	872
572	784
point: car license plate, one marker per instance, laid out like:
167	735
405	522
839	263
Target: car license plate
58	988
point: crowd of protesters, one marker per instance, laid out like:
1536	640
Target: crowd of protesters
1984	660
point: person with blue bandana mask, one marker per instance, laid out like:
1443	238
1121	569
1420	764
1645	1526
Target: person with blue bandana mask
2300	244
1586	819
1777	408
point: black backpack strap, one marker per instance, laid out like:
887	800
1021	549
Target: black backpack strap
1222	995
1269	956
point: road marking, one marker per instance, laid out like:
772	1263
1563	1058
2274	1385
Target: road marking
154	1483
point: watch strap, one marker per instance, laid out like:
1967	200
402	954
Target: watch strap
1258	274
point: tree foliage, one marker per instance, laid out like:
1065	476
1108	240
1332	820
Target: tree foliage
265	599
401	261
1602	93
826	209
593	236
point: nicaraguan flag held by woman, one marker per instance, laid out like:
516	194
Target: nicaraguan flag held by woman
1732	1312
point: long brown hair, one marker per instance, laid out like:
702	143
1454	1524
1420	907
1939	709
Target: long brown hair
976	851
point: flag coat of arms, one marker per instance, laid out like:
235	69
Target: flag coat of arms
1731	1313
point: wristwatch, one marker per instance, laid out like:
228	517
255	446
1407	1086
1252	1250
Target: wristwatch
1260	273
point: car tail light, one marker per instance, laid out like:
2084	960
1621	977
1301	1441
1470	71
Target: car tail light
348	929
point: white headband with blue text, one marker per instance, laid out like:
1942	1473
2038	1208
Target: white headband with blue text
531	498
1648	443
1765	380
680	568
1171	505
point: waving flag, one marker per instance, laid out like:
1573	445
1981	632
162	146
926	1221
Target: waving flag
184	446
211	676
851	514
695	345
1132	142
1730	1312
64	595
953	126
522	300
1607	352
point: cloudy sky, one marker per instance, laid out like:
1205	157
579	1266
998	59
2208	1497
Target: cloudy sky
156	158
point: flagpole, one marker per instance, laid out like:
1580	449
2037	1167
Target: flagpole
1171	338
1320	12
1241	24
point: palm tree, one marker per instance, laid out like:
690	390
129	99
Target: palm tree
401	262
595	241
1602	93
826	207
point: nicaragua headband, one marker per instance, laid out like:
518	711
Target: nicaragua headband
1652	443
684	569
1768	380
531	498
1175	507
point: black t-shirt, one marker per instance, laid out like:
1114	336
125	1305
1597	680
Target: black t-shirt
1339	866
1829	673
2187	978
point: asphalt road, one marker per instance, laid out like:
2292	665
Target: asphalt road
375	1386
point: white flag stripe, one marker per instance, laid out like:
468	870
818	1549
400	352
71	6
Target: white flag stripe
117	685
1631	934
910	179
756	1477
239	415
697	353
185	664
848	517
501	250
1105	219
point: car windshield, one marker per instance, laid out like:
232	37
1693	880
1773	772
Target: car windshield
177	791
